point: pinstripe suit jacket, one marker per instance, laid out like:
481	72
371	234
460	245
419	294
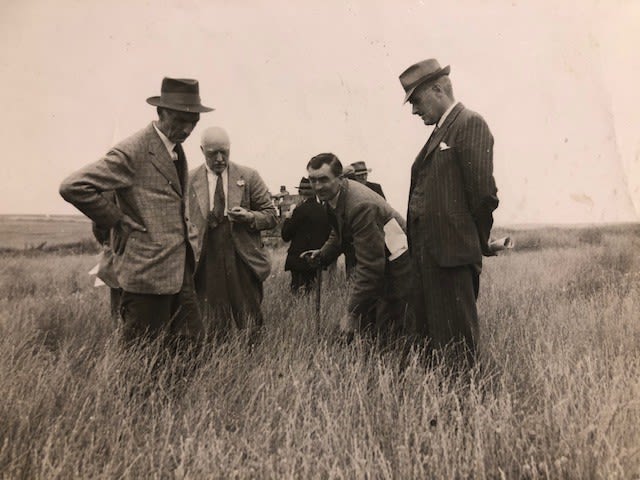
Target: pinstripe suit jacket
245	189
141	173
453	192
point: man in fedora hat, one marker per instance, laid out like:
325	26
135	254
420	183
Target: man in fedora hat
154	242
230	204
361	173
306	226
451	199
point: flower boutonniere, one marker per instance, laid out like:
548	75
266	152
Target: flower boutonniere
443	146
240	182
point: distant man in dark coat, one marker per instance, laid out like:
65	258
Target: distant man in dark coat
152	238
451	200
307	227
230	205
379	294
361	175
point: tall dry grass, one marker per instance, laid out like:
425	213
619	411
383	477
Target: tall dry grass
557	394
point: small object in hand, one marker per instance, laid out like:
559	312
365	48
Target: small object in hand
312	257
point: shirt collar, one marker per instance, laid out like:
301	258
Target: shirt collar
214	173
333	202
446	114
167	143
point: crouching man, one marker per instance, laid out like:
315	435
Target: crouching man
380	292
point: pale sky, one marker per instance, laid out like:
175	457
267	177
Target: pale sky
557	82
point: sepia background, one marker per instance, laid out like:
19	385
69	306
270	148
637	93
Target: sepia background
556	81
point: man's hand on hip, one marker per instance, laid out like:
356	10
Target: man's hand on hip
121	232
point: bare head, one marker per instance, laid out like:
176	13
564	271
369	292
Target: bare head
215	146
324	171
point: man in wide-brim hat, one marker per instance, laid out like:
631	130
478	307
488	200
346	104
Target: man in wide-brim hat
451	199
307	227
152	238
361	174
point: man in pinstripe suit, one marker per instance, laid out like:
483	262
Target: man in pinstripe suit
451	200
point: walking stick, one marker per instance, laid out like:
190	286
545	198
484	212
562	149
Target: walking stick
318	296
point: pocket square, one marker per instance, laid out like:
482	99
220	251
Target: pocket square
443	146
240	182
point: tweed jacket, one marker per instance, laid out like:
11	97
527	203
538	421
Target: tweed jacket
361	214
144	178
245	189
307	229
453	192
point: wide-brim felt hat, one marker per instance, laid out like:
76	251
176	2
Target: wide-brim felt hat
360	168
181	94
305	185
348	172
419	73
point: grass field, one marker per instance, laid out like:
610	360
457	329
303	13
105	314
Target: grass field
33	231
557	394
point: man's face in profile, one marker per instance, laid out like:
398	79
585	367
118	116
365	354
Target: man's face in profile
426	103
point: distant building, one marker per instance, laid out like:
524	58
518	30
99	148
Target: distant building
283	200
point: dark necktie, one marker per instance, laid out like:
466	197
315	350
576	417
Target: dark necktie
180	164
218	199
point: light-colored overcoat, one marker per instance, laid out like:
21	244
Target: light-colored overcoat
245	189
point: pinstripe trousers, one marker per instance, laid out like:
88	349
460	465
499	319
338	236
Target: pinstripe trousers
444	301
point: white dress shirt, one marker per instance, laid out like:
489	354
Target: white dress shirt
446	114
212	180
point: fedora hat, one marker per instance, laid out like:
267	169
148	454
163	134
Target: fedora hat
420	73
305	186
360	168
182	94
348	172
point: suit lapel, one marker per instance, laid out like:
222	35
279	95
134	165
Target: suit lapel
340	207
433	141
235	187
201	188
162	161
437	137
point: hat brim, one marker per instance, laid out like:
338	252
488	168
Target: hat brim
432	76
158	102
362	172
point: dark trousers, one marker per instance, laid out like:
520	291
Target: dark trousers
229	291
115	295
444	303
177	316
303	281
349	258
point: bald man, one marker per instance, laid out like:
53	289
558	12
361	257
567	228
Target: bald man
229	204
